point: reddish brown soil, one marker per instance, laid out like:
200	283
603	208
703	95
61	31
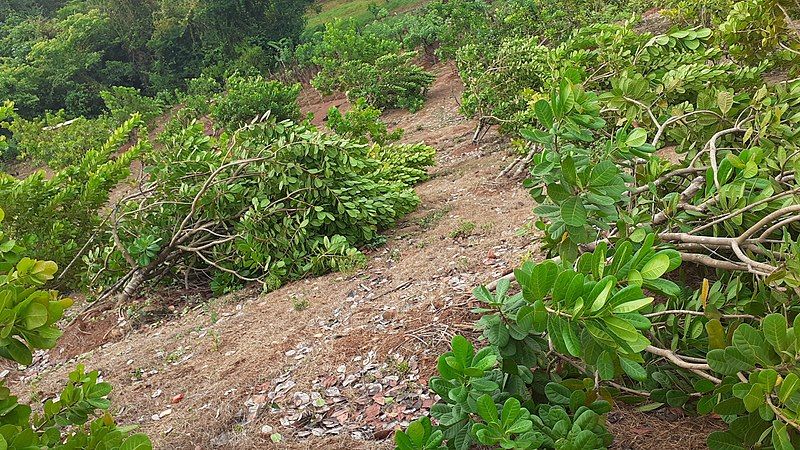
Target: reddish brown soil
229	372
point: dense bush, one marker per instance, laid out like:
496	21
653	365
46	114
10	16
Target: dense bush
759	29
55	142
77	417
65	55
7	147
616	308
274	201
362	124
365	65
123	102
53	217
247	98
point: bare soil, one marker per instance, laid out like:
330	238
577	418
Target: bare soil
338	361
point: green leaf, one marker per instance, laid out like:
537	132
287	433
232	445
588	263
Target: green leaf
754	398
633	305
780	436
557	393
544	113
19	352
571	339
568	170
621	328
605	366
35	315
137	442
750	169
635	278
676	398
487	409
788	387
541	281
462	350
605	286
655	267
751	343
729	361
510	413
724	101
724	440
633	369
666	287
774	327
636	138
573	212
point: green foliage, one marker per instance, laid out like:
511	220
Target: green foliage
56	142
759	393
419	436
365	65
70	422
705	12
7	151
755	29
247	98
61	62
403	163
28	316
123	102
65	55
281	201
647	151
54	216
471	385
362	124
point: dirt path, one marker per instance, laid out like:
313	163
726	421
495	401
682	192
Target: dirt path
339	361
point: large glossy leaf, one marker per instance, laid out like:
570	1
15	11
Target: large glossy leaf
573	212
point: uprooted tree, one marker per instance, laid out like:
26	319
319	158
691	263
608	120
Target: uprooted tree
270	202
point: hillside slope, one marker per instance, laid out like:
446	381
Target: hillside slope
341	360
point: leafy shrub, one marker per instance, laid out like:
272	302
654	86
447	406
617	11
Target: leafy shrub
391	81
54	217
755	29
64	54
364	65
76	418
281	201
246	98
56	142
622	218
404	163
123	102
7	147
205	86
362	124
706	12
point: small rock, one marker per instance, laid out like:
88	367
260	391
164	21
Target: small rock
177	398
266	429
